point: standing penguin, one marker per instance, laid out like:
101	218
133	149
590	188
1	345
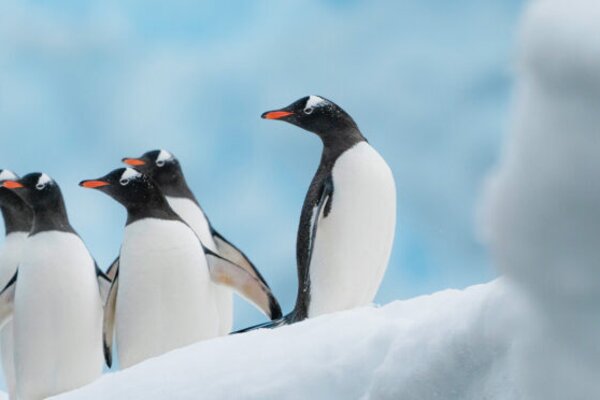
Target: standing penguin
162	296
349	214
57	312
165	170
17	223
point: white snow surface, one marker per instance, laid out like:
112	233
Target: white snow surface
542	211
452	344
533	334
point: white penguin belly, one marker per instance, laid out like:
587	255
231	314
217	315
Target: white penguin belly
57	317
195	218
353	243
165	298
10	256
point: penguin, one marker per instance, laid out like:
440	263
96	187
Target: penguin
17	224
162	296
164	168
348	217
54	298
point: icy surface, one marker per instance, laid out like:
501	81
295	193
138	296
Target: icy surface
452	344
542	212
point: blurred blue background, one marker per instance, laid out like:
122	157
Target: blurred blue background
83	84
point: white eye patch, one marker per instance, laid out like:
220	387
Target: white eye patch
163	157
314	101
128	175
7	174
43	180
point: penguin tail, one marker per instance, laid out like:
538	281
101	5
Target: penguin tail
276	323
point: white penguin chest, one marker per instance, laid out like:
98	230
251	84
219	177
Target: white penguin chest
165	298
195	218
353	243
58	316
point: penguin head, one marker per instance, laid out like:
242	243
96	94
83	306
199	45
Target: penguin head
36	189
160	165
128	186
315	114
6	195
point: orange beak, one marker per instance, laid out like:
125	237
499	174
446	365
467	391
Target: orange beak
12	185
276	114
134	162
93	184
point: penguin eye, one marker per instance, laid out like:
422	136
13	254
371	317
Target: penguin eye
160	163
308	110
40	186
124	181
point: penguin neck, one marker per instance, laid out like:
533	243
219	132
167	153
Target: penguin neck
51	218
153	206
176	186
17	217
336	142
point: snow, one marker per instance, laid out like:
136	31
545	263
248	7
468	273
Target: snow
542	212
424	348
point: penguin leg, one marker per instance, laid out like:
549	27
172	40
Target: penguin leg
7	298
226	273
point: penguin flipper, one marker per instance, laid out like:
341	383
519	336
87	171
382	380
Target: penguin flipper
232	253
108	325
276	323
226	273
112	269
320	211
7	297
104	282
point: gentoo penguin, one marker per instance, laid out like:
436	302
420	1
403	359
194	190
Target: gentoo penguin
17	223
348	217
165	170
57	312
162	297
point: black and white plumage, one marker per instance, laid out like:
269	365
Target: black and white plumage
17	223
164	168
348	217
54	299
163	294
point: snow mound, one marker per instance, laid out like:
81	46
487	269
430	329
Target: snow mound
543	207
447	345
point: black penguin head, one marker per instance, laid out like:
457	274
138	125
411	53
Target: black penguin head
7	196
37	190
159	165
128	186
18	216
315	114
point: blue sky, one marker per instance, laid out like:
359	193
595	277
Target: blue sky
83	84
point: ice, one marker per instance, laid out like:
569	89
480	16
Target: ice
452	344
